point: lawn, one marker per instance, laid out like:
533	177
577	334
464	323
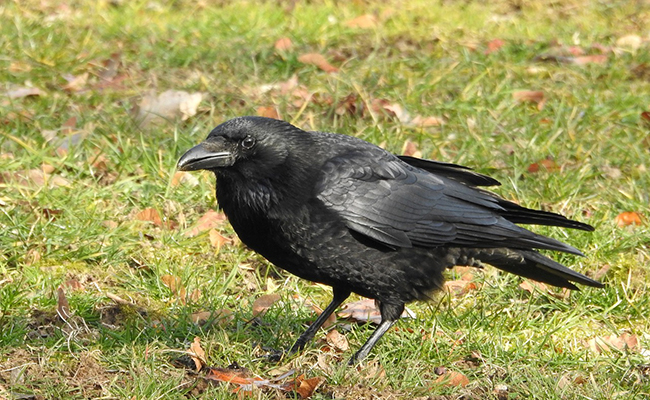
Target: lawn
112	263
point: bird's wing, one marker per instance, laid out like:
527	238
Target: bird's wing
382	197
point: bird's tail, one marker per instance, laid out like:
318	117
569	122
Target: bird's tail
533	265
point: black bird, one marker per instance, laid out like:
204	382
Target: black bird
338	210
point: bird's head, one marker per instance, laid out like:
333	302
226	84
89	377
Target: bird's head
249	146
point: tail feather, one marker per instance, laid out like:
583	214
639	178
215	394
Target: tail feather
531	264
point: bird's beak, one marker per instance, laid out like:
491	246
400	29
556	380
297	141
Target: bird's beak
206	155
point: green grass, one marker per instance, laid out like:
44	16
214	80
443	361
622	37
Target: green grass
429	57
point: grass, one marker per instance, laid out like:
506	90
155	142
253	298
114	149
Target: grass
428	58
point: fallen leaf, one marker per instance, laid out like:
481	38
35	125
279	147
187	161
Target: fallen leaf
366	21
150	215
197	354
494	45
530	286
211	219
629	42
337	341
75	83
426	122
459	287
109	69
74	285
110	224
268	112
20	92
168	105
625	341
530	96
365	311
62	305
172	282
602	272
283	44
264	302
452	378
593	59
220	316
184	178
409	148
306	387
217	240
318	60
628	218
546	164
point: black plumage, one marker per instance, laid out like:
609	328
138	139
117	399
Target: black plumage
337	210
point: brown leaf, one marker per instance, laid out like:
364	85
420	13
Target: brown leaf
268	112
628	218
237	376
593	59
602	272
366	21
209	220
607	343
337	341
409	148
306	387
172	282
20	92
629	42
220	316
365	311
74	285
197	354
62	305
264	302
217	240
459	287
283	44
150	215
494	45
530	286
426	122
110	224
530	96
318	60
546	164
168	105
75	83
184	178
452	378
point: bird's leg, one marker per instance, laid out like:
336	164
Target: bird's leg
390	313
339	297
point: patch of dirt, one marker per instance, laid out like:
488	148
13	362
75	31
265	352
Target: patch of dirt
25	373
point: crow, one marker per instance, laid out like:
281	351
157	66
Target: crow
343	212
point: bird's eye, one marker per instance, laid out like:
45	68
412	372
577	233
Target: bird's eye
248	142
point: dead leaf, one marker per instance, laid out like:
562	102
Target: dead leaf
20	92
409	148
530	286
74	285
337	341
197	354
268	112
283	44
628	218
110	224
602	272
426	122
494	45
459	287
211	219
629	42
546	164
366	21
62	305
184	178
593	59
75	83
452	378
150	215
625	341
365	311
220	316
306	387
109	68
318	60
168	105
530	96
172	282
217	240
264	302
